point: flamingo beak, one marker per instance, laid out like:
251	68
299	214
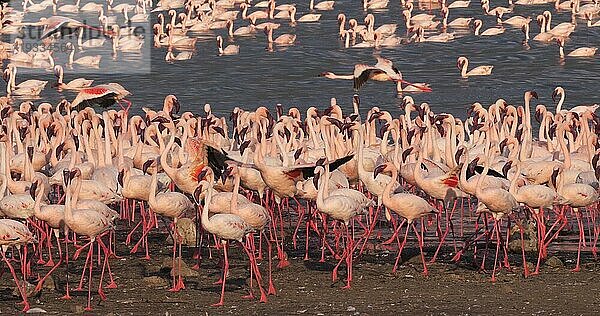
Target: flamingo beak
383	129
147	165
244	146
379	169
297	153
176	105
534	94
66	177
316	180
202	174
458	154
335	122
320	162
406	153
506	168
32	190
120	177
197	193
219	130
502	144
554	177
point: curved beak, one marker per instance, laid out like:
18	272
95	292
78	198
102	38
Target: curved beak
66	177
507	168
379	169
554	177
406	153
202	174
120	177
316	180
383	129
297	153
147	165
320	162
244	146
197	193
33	189
534	94
176	105
375	115
502	144
335	122
458	154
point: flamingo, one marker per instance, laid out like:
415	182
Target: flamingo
74	84
226	227
463	64
14	233
408	206
229	50
89	223
172	205
103	95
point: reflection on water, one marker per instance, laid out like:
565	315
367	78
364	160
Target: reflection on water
258	76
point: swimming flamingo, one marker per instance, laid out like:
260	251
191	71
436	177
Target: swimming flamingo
463	64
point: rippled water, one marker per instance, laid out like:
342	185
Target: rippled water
258	77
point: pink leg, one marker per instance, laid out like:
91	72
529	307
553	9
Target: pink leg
91	256
400	245
271	290
225	268
581	240
420	240
14	275
498	242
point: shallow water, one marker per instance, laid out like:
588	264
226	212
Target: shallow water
258	77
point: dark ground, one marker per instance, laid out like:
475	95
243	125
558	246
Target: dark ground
305	287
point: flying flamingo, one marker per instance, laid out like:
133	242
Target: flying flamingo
102	95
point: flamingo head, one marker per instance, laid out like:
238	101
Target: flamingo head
198	191
406	153
120	177
459	154
379	169
375	115
335	122
507	168
383	129
149	163
33	189
554	176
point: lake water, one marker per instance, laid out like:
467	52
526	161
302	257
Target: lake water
259	77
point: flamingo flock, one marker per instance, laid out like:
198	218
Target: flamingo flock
255	180
81	176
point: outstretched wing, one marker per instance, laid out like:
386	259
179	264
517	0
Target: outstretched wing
308	170
216	160
362	73
491	172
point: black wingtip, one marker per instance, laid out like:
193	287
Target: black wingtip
339	162
216	160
